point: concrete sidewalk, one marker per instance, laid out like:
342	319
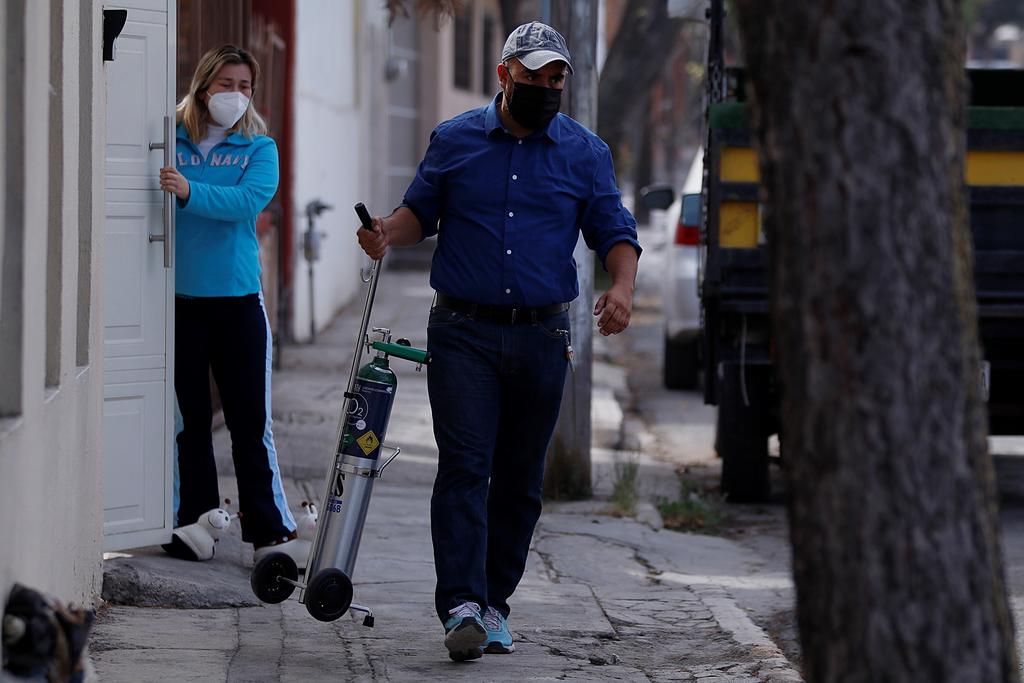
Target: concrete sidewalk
604	598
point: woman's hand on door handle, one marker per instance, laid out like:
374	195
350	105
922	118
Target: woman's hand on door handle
174	182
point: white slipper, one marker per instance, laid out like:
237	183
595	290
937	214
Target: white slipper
198	541
297	549
191	542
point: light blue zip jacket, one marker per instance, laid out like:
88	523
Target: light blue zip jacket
217	251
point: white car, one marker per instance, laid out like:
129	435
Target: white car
680	300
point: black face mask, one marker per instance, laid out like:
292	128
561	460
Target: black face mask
532	106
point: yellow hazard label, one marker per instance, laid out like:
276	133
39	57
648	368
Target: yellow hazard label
368	442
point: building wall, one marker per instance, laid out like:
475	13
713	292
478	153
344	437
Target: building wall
342	150
331	147
50	347
444	100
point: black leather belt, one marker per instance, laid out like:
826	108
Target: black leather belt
504	315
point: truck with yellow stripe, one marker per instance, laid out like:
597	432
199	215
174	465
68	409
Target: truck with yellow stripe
738	347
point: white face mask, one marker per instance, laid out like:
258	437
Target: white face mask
227	107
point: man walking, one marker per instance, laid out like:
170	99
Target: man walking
507	189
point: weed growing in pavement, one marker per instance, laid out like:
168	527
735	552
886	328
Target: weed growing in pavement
696	510
624	488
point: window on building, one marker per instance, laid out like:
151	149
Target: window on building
12	162
488	58
85	193
463	49
3	127
55	213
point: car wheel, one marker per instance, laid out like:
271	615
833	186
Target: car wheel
681	363
741	437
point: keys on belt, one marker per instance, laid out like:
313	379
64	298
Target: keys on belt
569	355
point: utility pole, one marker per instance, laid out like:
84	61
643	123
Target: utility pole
568	464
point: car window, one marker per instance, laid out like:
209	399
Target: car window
690	212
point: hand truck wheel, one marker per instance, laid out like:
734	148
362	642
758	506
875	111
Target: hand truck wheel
266	579
329	594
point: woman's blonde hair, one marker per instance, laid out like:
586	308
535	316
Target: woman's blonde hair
192	109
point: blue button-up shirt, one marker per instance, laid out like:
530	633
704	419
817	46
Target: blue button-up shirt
508	212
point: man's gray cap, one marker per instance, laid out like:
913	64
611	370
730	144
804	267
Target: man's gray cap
536	44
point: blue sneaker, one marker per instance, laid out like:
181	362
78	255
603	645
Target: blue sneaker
499	640
464	632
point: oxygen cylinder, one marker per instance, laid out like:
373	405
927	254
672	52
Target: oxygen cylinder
369	396
370	409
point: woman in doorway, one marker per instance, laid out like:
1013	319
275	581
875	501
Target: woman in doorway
227	172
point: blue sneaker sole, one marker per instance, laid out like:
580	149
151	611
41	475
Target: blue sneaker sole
496	648
464	642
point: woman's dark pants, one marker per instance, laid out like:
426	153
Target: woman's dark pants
230	336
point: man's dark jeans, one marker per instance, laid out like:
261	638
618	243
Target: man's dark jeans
495	391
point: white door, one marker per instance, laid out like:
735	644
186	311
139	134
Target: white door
139	281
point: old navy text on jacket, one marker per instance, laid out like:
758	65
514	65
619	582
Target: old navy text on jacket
217	250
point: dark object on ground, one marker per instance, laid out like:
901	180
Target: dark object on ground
43	639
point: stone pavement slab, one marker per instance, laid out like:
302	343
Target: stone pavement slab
150	579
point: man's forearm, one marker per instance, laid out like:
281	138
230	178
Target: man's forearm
621	263
402	228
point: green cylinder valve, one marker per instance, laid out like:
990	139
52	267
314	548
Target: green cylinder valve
402	349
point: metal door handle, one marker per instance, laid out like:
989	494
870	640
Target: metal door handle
168	234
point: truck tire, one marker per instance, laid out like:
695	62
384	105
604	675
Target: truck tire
681	363
741	437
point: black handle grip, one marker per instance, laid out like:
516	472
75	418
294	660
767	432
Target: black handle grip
364	217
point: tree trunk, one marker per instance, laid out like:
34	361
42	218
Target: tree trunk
636	58
643	173
859	111
511	15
